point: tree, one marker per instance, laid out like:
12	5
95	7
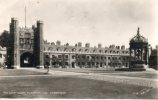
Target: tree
4	38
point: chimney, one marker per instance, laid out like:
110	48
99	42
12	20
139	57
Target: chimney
118	47
58	43
79	44
87	45
99	45
122	47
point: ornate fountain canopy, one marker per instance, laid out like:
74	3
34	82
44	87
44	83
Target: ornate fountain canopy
138	38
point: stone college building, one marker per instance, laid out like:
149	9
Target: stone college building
28	49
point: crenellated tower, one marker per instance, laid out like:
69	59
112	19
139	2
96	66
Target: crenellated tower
38	45
13	50
25	47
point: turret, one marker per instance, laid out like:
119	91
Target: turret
38	46
14	44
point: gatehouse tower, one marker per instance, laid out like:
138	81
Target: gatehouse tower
25	47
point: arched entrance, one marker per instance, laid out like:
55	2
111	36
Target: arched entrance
26	60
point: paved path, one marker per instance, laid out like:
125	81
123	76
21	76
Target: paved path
148	82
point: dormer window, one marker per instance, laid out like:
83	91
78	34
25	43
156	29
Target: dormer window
100	51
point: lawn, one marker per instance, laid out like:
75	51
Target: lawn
18	72
142	74
66	87
51	86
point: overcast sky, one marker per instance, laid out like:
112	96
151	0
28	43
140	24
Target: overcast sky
94	21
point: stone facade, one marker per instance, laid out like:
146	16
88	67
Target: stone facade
25	45
2	56
153	59
28	49
68	56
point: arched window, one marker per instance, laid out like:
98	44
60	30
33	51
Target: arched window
73	50
80	50
100	51
58	49
86	50
94	51
50	49
66	49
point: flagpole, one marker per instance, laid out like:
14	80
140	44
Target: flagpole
25	16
